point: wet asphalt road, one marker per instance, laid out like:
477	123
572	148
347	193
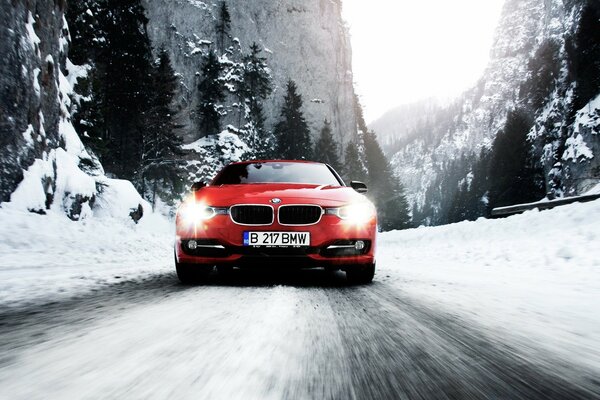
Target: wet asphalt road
258	335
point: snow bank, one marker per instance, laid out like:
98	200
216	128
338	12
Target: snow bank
534	275
50	257
30	194
117	198
593	190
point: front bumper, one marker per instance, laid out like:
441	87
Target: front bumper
220	242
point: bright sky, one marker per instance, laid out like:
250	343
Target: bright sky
407	50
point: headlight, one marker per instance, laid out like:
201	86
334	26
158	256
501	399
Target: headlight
193	212
358	213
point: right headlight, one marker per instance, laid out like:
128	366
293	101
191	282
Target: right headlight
357	213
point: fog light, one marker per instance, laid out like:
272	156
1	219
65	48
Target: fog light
359	245
192	245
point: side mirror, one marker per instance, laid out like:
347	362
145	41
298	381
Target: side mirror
359	186
197	186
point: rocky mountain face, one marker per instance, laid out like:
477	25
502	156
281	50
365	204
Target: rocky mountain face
43	163
536	69
301	40
32	44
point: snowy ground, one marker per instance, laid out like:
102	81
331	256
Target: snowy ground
535	275
49	257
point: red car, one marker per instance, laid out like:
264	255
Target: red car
276	213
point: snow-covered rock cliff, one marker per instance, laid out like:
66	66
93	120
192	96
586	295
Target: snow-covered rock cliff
306	41
531	68
43	164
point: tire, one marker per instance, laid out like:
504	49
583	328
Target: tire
361	275
190	274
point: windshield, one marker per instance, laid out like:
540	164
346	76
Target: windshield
277	172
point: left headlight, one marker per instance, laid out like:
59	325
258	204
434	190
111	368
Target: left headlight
193	212
358	213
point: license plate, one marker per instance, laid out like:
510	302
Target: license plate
279	239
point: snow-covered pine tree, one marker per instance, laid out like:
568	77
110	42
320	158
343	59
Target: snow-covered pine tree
255	87
223	27
125	65
110	37
211	93
161	166
87	22
292	132
326	148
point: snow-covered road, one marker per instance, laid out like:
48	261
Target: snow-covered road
301	335
487	309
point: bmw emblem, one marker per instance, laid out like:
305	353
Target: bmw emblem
276	200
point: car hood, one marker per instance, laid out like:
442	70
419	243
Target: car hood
259	193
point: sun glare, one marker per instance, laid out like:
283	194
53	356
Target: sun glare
404	51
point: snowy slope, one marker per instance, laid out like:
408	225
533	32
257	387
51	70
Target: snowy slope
534	275
529	70
472	122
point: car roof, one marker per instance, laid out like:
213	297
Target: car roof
275	161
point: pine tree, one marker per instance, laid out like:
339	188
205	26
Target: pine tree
127	78
211	93
292	132
87	29
223	27
326	149
161	167
88	39
385	189
115	96
360	119
353	167
584	55
89	113
254	88
514	178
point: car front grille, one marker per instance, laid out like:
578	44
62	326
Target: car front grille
299	214
252	214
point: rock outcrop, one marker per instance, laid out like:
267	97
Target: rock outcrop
32	44
43	163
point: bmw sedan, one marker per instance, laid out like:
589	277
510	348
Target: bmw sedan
282	214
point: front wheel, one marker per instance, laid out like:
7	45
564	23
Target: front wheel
361	275
190	274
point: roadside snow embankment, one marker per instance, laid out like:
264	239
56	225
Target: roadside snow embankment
534	275
50	257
